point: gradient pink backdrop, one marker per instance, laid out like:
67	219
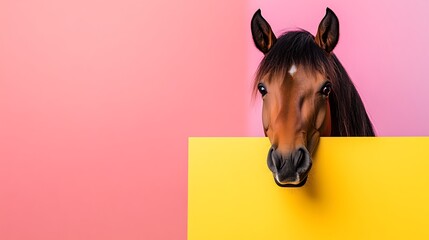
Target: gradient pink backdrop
97	99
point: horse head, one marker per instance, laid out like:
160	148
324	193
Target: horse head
295	80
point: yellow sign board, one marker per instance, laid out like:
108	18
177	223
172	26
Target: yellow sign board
358	188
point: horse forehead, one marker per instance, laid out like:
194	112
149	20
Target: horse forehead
299	80
304	76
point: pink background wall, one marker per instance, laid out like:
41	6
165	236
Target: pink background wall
97	99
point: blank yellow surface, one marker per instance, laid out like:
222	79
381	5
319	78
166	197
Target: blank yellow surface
358	188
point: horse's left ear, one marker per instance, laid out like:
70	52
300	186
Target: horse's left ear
262	33
329	31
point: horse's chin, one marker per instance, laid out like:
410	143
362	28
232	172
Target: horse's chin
300	184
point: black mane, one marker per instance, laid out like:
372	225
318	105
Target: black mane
348	114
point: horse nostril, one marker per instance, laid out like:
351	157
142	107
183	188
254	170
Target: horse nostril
277	160
299	158
270	161
302	160
274	161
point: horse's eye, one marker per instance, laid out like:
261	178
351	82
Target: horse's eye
326	89
262	89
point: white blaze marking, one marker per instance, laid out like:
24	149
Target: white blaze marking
292	70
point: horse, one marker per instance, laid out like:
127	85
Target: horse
306	94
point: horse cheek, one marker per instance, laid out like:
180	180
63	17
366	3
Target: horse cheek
323	120
327	122
265	119
320	118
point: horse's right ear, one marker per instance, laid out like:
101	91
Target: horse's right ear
263	36
328	31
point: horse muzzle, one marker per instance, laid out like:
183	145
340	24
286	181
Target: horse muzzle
289	170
